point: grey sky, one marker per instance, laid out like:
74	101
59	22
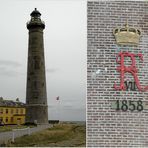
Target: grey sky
65	53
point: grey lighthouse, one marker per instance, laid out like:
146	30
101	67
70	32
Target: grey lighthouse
36	96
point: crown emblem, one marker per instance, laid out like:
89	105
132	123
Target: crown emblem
127	35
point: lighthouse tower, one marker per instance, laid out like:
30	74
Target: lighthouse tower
36	96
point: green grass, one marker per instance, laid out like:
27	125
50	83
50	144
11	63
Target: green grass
60	135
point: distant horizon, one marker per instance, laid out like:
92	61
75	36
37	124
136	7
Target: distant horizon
70	121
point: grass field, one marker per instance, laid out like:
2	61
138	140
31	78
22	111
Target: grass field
61	135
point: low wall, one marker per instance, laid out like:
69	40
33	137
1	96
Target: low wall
10	136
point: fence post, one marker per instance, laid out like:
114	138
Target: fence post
13	134
28	130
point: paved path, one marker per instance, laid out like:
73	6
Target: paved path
6	136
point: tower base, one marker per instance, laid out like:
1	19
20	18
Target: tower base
37	114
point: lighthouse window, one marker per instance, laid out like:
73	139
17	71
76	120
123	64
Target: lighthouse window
36	62
36	65
35	95
35	85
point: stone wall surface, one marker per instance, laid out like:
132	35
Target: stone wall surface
105	125
36	95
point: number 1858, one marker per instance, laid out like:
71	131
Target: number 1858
125	105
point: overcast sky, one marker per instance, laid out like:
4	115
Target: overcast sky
65	53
